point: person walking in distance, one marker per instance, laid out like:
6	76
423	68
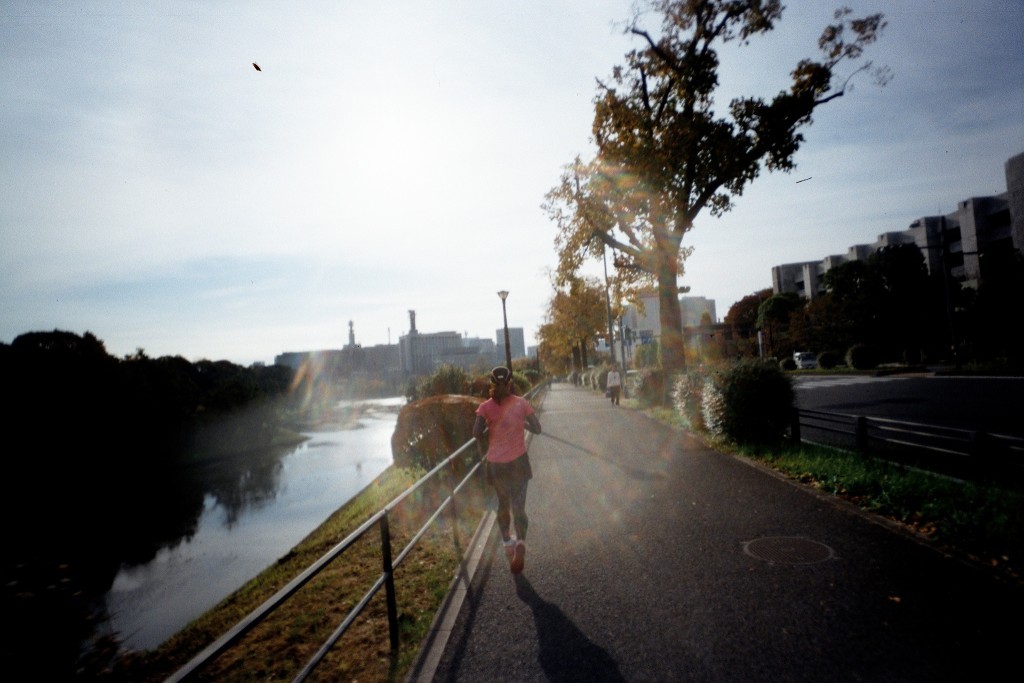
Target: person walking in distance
504	416
614	384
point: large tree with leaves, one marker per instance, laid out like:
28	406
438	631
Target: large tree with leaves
576	316
742	318
664	155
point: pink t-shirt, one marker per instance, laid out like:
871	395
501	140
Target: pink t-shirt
505	427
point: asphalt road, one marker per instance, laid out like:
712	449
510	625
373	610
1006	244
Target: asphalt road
988	404
651	558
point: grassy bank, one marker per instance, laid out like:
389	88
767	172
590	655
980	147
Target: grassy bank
280	646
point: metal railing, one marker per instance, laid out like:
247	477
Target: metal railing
385	580
948	450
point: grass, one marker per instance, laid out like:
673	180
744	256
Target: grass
980	522
280	646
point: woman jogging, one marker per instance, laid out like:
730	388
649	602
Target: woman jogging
504	415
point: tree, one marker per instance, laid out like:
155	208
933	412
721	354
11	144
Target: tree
773	316
855	292
576	316
997	308
908	303
742	318
554	350
663	154
825	327
888	301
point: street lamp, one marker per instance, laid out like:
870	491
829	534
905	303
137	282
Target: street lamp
508	349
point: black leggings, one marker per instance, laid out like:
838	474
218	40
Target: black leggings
510	481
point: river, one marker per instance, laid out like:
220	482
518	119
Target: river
149	603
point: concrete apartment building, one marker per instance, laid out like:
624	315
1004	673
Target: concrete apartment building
646	326
950	243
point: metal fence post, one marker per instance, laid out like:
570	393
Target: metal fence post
453	513
862	434
981	458
794	426
389	582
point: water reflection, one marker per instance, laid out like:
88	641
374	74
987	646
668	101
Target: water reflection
249	518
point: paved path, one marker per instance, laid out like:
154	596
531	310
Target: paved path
651	558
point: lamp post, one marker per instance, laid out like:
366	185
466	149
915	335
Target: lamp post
508	349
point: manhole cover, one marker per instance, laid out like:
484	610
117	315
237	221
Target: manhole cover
788	550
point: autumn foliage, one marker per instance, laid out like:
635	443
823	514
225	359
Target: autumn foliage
431	429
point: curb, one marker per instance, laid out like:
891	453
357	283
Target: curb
434	644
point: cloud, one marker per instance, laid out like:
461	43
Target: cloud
160	192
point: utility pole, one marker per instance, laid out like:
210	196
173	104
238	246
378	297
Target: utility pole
608	304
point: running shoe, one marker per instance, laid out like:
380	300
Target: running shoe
518	558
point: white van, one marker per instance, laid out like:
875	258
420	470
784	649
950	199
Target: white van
805	360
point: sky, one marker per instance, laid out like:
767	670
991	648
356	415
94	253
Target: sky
158	191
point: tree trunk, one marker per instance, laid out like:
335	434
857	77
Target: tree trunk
673	359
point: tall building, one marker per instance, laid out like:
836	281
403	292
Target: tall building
1014	169
694	308
422	353
646	326
952	243
516	341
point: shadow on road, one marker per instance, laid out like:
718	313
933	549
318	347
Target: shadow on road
566	654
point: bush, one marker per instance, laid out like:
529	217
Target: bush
828	360
481	384
521	383
787	364
687	396
649	386
431	429
863	357
447	379
750	402
532	375
646	355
